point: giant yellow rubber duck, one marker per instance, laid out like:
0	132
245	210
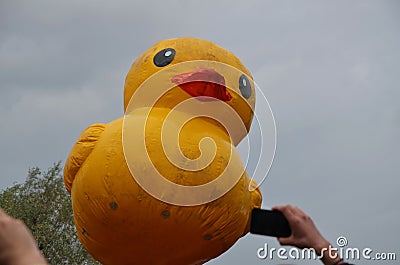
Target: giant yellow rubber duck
141	185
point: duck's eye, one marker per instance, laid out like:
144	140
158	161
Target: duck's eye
244	86
164	57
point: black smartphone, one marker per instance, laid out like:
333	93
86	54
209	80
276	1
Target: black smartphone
269	223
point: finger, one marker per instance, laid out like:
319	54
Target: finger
288	212
302	215
281	208
284	241
298	211
277	208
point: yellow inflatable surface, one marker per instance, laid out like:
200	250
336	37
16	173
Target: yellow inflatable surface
164	184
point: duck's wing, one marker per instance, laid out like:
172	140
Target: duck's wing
80	151
256	196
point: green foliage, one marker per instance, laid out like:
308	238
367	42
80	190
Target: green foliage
45	206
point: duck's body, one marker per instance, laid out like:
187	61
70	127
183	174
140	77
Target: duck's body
119	222
109	205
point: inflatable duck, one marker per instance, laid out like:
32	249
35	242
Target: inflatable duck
141	184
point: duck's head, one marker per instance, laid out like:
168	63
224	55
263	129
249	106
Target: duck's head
175	70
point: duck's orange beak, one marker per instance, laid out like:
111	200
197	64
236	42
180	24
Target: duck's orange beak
204	82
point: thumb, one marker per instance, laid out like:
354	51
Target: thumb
284	241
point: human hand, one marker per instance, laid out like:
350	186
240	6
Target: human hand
17	245
306	235
304	232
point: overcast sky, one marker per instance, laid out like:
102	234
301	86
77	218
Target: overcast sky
330	71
